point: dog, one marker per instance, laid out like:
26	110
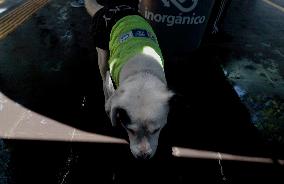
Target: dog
135	90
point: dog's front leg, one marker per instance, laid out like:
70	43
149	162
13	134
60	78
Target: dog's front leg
108	87
103	62
104	70
92	6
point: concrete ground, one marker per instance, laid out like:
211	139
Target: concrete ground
253	61
229	100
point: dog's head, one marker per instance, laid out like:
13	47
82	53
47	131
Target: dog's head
142	110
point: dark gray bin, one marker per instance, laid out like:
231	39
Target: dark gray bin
179	24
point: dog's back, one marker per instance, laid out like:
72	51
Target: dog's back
140	102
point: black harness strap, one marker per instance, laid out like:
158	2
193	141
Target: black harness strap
105	19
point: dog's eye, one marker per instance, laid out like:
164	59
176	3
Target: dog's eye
155	131
122	117
130	130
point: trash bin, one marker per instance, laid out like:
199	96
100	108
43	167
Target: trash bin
216	22
179	24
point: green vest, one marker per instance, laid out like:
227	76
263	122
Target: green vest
130	36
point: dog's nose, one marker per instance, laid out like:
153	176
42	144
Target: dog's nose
144	155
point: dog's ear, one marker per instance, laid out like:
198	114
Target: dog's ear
108	86
109	93
119	115
113	114
111	110
112	106
176	100
171	95
165	95
92	6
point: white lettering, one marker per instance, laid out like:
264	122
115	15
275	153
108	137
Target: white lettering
202	19
178	20
171	20
196	19
184	19
192	18
158	17
164	18
150	15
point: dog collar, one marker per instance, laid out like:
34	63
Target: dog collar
130	36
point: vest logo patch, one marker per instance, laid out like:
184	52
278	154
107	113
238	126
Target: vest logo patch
136	33
140	33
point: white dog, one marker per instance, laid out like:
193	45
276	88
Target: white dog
131	57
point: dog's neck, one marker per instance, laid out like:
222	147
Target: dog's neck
141	64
